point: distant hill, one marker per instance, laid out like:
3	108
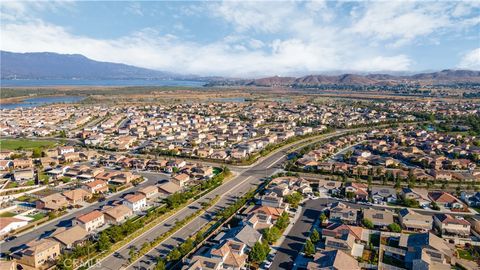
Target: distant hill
444	77
47	65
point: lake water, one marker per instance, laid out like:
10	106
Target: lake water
17	83
234	99
35	102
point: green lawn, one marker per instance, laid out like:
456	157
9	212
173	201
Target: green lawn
16	144
464	254
7	214
37	216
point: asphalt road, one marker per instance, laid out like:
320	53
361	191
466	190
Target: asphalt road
229	192
294	241
65	221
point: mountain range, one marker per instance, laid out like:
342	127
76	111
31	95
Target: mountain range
48	65
434	78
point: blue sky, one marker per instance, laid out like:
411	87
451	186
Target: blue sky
252	38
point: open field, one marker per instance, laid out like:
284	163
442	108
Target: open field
14	144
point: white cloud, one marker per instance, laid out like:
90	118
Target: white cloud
400	21
134	8
166	52
259	16
471	60
384	63
287	38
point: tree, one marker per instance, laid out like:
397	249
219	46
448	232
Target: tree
174	255
132	253
36	153
104	241
293	199
282	221
199	237
271	234
367	223
394	227
309	248
315	236
257	254
323	217
160	265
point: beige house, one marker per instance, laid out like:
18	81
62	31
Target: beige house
413	221
70	238
40	254
117	214
180	179
77	195
55	201
90	221
149	191
334	259
96	186
448	225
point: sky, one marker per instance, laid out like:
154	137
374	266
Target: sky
252	38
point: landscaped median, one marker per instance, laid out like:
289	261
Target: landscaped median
191	244
117	236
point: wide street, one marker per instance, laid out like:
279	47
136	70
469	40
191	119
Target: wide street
246	179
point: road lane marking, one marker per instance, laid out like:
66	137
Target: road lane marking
181	228
269	166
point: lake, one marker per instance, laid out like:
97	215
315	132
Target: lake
65	82
39	101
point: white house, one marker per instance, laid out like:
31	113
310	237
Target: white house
7	224
136	202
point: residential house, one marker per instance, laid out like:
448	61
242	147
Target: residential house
413	221
349	239
40	254
54	202
231	253
248	236
340	212
136	202
379	218
205	263
383	194
77	196
333	260
117	214
90	221
71	237
444	199
149	191
359	190
180	179
22	163
416	251
448	225
96	186
21	175
8	224
273	200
